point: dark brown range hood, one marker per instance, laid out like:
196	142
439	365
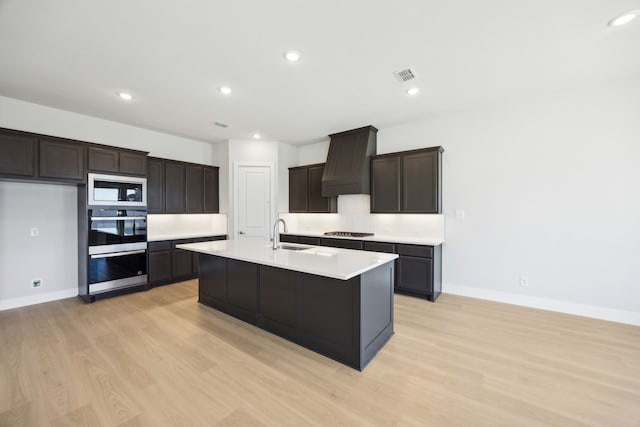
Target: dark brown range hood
347	167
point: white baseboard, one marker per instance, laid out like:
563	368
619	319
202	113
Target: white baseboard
37	299
621	316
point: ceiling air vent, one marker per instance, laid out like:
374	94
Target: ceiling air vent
405	75
222	125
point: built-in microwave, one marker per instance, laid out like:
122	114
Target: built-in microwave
114	190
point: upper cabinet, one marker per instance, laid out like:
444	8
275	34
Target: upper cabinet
117	160
17	154
305	188
179	187
62	159
407	181
29	156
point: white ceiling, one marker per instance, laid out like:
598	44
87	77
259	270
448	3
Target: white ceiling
172	56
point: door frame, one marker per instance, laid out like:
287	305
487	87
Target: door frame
236	190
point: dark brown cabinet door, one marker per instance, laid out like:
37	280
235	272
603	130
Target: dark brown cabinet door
212	286
415	274
242	289
316	202
133	163
174	188
103	159
159	268
420	182
194	189
334	334
155	186
61	160
211	190
280	301
298	187
17	154
182	263
385	184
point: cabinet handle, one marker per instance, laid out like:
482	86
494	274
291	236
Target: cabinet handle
240	232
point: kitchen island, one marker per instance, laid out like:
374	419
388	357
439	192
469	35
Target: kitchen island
337	302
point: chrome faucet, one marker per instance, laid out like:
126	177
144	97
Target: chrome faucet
276	232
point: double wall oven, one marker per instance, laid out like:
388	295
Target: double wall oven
117	233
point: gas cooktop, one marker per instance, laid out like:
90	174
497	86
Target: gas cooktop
347	234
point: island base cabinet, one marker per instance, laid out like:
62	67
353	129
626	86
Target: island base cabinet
212	289
346	320
280	293
242	290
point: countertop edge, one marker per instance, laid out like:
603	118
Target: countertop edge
190	246
377	238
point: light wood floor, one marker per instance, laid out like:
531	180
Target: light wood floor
159	358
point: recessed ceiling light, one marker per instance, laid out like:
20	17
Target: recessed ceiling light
256	136
292	55
624	18
413	91
126	96
225	90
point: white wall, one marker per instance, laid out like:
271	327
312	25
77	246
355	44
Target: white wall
549	187
313	153
53	258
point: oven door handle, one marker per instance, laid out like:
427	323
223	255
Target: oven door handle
112	254
116	218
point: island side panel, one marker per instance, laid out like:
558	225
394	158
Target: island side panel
280	292
330	317
212	287
242	290
376	310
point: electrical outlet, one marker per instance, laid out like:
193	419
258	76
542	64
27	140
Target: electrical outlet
524	281
459	213
36	283
34	232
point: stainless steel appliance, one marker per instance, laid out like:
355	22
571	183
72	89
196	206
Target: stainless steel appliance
117	248
114	190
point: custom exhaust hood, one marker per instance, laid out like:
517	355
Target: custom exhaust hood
348	162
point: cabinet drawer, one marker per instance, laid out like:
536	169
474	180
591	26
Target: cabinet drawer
306	240
378	247
342	243
287	238
415	250
164	245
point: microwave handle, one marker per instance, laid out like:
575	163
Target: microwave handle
112	254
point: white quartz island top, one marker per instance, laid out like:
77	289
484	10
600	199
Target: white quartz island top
320	260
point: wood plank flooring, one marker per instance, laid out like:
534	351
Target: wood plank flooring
159	358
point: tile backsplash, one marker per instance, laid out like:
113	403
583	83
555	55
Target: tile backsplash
353	215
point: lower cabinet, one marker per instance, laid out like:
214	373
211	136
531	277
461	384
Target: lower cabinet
418	270
242	290
346	320
167	264
280	301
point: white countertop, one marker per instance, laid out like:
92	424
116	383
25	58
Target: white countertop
320	260
375	238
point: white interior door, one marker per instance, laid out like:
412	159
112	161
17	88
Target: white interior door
254	202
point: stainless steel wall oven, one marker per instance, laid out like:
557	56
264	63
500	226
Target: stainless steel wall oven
117	248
